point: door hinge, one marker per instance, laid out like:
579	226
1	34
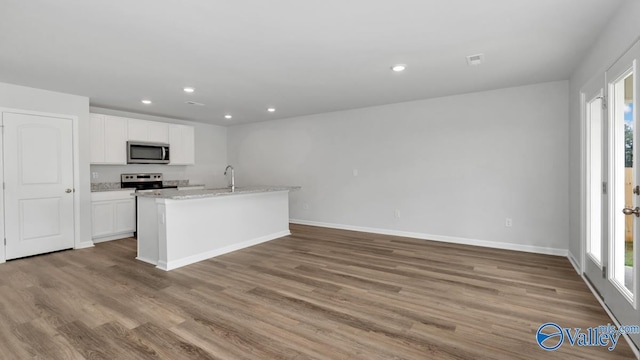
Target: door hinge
604	272
604	102
604	187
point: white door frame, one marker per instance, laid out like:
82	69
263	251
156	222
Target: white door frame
78	243
617	299
586	96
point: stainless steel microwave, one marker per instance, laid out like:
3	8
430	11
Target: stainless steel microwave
139	152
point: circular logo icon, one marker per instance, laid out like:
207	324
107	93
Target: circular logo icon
549	336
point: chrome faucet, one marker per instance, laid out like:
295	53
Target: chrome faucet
233	177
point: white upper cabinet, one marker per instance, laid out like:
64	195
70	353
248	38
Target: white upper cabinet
109	136
150	131
181	145
108	139
97	138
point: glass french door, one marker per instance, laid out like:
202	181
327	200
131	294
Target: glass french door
612	187
593	107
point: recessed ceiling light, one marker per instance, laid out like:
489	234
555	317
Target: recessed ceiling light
399	67
473	60
189	89
228	116
271	109
146	102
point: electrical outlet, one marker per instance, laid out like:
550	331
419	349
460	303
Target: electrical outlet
94	175
305	206
396	213
508	222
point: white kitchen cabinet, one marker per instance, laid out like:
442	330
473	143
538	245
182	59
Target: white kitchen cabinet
181	145
97	138
150	131
114	215
108	139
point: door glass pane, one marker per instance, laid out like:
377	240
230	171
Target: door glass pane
144	152
594	195
623	239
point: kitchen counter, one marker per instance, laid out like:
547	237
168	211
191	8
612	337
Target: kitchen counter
181	227
114	189
116	186
175	194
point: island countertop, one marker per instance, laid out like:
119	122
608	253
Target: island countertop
175	194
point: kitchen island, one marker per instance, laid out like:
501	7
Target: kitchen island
181	227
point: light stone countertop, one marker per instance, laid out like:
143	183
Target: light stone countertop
115	186
175	194
114	189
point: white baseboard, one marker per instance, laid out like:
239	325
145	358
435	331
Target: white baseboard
574	262
174	264
84	245
112	237
149	261
635	350
442	238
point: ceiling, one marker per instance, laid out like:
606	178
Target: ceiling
301	57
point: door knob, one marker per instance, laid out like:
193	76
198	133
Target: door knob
630	211
68	191
636	190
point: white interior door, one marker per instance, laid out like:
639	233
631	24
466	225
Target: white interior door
38	175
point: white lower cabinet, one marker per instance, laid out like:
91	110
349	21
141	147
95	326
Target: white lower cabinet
114	215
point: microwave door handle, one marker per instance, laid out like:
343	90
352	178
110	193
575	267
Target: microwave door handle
163	153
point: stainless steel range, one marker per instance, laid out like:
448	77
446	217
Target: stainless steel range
143	182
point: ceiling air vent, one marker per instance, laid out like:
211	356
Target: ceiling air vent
473	60
195	103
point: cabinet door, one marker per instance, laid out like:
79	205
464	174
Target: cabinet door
125	216
158	132
151	131
115	140
97	138
175	144
137	130
181	140
102	213
189	145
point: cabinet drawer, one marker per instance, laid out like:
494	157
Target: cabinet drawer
112	195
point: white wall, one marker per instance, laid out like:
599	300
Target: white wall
211	155
25	98
618	36
454	167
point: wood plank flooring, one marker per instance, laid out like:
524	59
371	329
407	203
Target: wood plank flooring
317	294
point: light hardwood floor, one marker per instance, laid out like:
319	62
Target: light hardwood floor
319	293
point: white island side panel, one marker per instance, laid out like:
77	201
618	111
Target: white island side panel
147	230
191	230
